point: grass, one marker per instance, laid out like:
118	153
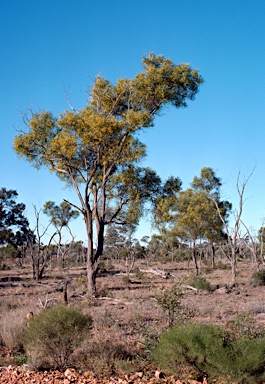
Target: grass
127	317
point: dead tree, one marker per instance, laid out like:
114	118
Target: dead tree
233	233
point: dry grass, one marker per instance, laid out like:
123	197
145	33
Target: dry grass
127	317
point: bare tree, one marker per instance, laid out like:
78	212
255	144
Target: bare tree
250	241
233	233
39	253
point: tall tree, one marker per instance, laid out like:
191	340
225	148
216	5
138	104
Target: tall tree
96	148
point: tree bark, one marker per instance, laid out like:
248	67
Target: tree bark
233	265
212	256
194	257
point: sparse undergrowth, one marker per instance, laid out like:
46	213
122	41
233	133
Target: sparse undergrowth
232	353
201	283
127	318
54	335
258	278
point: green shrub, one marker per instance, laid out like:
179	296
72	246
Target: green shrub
55	334
195	346
249	360
201	283
258	278
208	351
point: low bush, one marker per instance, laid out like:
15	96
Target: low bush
258	278
209	352
103	358
201	283
55	334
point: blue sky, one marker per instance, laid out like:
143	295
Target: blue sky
51	47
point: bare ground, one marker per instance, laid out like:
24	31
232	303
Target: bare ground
125	313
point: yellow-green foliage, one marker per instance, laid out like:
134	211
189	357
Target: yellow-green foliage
93	148
209	352
56	333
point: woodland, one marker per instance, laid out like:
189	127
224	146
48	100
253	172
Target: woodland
185	304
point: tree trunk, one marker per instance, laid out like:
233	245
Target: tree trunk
93	259
33	269
91	272
212	256
194	257
92	269
233	265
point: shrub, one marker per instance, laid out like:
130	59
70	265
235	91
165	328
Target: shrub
103	358
189	345
55	334
170	302
201	283
244	326
208	351
258	278
249	360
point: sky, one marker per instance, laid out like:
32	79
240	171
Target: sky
53	48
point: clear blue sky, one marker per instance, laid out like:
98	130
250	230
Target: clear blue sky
49	47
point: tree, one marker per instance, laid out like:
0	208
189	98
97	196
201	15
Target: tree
233	233
114	243
214	229
193	211
261	238
60	216
14	226
39	253
96	149
191	215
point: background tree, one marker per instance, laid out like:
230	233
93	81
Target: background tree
60	216
191	215
96	149
114	243
14	226
40	254
214	228
261	238
233	234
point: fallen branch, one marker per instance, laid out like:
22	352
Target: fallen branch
115	301
48	302
190	287
156	272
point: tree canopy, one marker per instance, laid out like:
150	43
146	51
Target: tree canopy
14	226
191	214
96	149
